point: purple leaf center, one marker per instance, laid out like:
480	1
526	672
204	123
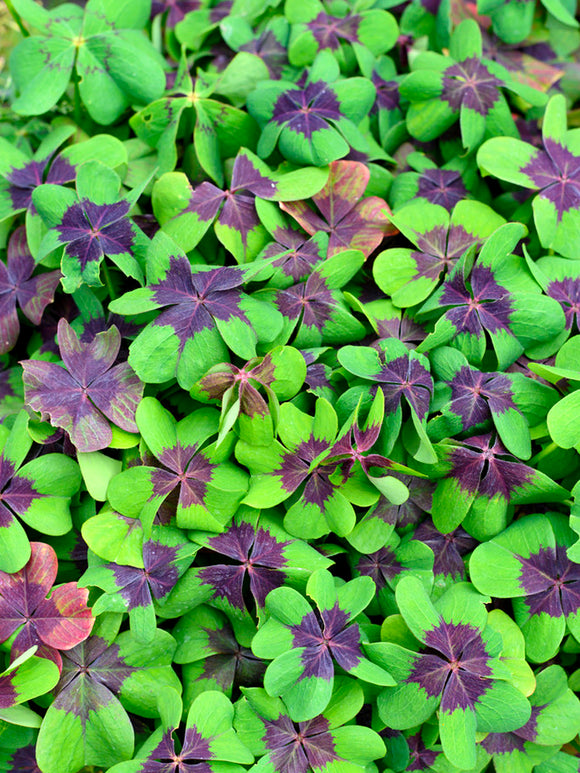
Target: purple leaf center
92	673
191	759
299	747
442	186
556	171
308	110
448	549
158	577
480	466
25	179
420	757
383	566
454	666
440	247
487	306
259	555
551	581
405	376
474	395
197	300
297	256
470	84
329	31
16	494
177	9
270	51
24	761
567	293
387	93
310	301
92	230
323	634
230	664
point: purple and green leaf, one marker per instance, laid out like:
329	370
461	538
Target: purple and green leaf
37	491
165	558
89	224
552	171
540	737
49	624
303	643
352	221
88	392
186	213
321	743
456	670
392	562
212	657
258	550
300	463
203	313
480	303
314	123
477	399
209	738
26	677
528	563
280	373
480	480
440	237
313	30
87	723
202	487
402	375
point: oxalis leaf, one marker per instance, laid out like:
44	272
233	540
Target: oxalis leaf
115	63
89	225
208	486
304	645
528	563
186	337
453	630
58	623
87	391
87	723
37	491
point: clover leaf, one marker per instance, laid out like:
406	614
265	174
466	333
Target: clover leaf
48	624
537	574
19	286
207	313
455	669
103	44
353	221
553	171
325	741
209	743
87	391
303	643
90	223
101	680
316	123
206	488
38	491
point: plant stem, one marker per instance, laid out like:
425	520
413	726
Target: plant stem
77	109
108	282
16	16
546	451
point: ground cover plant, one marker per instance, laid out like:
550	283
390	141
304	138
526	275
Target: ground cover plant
289	386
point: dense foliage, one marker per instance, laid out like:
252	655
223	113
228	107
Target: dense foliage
290	386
